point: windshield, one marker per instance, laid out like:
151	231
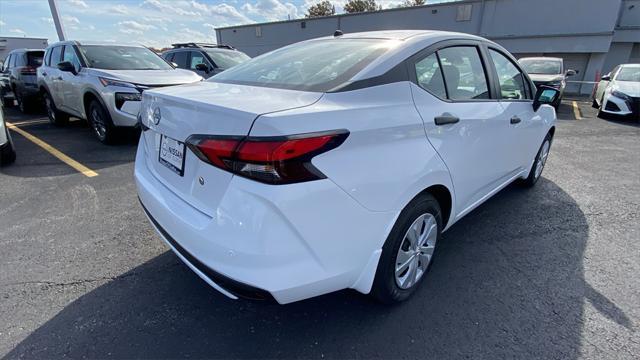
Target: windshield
34	58
541	66
227	59
629	73
319	65
122	58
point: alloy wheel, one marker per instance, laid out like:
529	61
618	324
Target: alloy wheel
416	251
542	158
49	105
98	124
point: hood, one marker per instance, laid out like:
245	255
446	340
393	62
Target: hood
543	78
150	77
630	88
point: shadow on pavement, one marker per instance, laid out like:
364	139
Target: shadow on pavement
508	282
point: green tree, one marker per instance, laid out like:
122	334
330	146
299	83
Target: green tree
356	6
323	8
410	3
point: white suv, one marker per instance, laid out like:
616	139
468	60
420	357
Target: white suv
337	162
102	83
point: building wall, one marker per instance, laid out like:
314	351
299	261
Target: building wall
7	44
581	31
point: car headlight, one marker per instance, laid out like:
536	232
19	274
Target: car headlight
620	95
112	82
121	98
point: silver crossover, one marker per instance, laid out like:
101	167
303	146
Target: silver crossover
102	83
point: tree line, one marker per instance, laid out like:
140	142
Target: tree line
326	8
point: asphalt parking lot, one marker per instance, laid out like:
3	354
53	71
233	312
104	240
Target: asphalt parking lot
551	272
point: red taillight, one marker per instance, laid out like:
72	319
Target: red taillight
28	70
273	160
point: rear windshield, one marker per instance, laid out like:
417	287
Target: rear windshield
541	66
227	59
319	65
629	73
34	58
114	57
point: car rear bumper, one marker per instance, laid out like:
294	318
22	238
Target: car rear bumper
287	242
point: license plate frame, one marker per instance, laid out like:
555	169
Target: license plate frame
172	154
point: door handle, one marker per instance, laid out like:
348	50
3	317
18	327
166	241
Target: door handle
446	119
44	73
515	119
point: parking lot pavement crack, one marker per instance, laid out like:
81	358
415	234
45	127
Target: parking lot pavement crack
69	283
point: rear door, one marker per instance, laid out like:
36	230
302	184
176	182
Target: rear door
516	97
463	118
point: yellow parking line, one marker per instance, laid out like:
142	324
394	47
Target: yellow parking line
576	111
30	122
55	152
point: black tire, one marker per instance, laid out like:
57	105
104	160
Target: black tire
100	123
7	152
55	116
23	104
594	103
6	102
534	176
385	286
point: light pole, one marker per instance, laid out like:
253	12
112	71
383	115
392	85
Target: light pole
53	4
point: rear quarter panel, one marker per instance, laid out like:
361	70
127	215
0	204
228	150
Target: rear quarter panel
386	160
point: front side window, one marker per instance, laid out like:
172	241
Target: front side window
197	58
227	59
113	57
511	80
541	66
56	55
629	73
429	76
464	74
319	65
70	56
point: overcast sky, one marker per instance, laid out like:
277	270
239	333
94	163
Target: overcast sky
152	22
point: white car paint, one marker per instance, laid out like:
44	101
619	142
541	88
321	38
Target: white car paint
605	89
305	239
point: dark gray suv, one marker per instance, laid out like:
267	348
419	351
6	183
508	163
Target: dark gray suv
204	59
18	80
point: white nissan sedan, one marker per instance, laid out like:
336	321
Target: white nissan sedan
337	162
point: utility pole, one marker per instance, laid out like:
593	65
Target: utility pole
53	4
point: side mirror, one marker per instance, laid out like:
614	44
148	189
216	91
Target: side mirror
606	77
67	66
571	72
545	95
202	67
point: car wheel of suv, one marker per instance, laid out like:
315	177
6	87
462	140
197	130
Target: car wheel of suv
6	102
56	117
23	104
100	123
539	162
407	254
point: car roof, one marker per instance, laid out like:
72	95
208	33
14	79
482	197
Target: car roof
93	43
540	58
630	65
24	50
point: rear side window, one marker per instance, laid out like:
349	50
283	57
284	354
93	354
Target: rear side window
464	73
180	58
511	80
34	58
319	65
429	76
56	55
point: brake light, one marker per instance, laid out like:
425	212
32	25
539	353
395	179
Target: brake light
272	160
28	70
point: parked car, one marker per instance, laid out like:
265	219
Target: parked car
205	60
102	83
18	80
7	151
332	163
618	93
548	71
